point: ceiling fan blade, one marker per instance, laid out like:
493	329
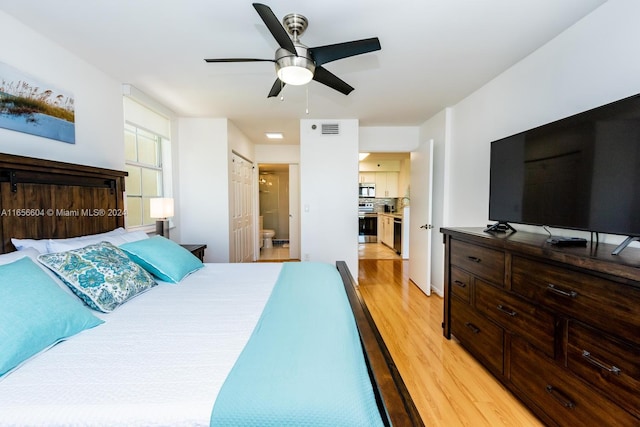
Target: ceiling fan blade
239	60
274	26
323	54
276	88
322	75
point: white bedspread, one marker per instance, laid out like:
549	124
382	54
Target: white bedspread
160	359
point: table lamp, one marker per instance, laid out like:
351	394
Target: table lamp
161	208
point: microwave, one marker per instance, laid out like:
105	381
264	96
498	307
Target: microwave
367	190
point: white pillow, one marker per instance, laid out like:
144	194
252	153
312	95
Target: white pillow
42	244
63	245
134	236
22	244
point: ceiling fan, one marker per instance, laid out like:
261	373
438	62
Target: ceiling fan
297	64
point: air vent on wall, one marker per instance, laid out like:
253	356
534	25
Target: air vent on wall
330	129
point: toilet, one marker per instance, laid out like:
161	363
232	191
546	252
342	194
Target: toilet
266	236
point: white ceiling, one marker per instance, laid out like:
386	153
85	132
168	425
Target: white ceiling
434	52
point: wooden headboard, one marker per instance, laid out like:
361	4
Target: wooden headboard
43	199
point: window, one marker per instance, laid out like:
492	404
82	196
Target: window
147	160
143	157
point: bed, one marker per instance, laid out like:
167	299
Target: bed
195	352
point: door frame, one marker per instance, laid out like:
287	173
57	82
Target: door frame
294	208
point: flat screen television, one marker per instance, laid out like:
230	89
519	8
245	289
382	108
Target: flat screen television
580	173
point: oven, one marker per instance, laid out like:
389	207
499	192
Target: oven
367	223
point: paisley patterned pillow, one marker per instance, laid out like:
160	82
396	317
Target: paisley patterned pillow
102	275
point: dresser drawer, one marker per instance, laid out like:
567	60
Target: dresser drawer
606	304
517	316
481	337
610	365
480	261
559	394
461	284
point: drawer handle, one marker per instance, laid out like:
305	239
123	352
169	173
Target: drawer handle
459	283
571	294
596	362
473	258
559	397
506	310
473	327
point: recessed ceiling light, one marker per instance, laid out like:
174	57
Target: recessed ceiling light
274	135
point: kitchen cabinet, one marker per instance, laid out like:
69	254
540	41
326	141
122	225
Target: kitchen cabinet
386	222
386	184
367	177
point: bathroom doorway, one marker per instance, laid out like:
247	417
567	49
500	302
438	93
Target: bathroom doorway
274	212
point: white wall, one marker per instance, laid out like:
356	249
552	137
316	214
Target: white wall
329	193
239	142
272	153
98	101
380	139
590	64
204	190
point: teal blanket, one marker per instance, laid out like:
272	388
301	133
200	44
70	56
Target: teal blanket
303	365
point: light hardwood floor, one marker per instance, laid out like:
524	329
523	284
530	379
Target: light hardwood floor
376	251
449	387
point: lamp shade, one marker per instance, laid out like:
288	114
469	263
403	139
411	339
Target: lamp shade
161	207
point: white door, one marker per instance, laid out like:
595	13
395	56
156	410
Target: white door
420	218
294	211
241	210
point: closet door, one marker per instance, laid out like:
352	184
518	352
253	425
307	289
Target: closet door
241	208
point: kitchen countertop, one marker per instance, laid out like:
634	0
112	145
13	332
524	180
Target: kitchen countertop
391	214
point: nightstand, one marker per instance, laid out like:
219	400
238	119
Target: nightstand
197	250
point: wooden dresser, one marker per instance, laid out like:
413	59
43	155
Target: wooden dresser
559	327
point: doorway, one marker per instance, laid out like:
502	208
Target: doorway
388	176
277	214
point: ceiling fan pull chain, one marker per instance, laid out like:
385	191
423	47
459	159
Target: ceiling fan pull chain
307	88
281	93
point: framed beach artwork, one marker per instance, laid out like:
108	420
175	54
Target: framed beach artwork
31	106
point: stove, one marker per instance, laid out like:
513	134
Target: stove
367	223
365	208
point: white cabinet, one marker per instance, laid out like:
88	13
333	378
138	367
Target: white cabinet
388	230
386	222
367	177
386	184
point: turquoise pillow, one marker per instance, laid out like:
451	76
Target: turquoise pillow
102	275
163	258
35	313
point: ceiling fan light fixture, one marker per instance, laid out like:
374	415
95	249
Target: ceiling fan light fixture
294	70
295	75
297	64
